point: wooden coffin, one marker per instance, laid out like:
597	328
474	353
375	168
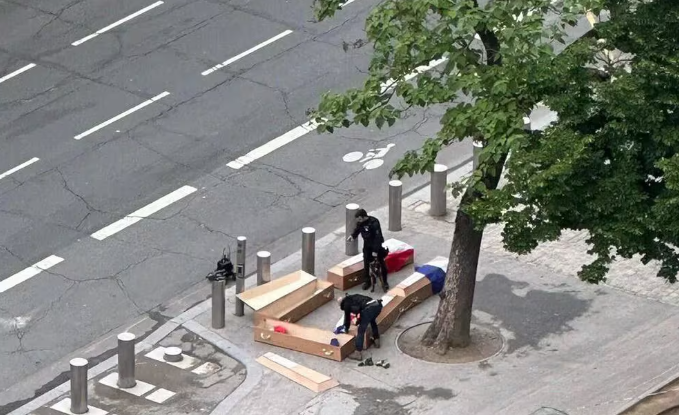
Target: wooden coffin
392	308
314	381
299	303
414	289
347	274
279	289
308	340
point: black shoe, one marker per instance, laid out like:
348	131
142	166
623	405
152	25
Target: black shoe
366	285
376	342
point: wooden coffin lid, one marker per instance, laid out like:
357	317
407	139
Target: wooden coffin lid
264	295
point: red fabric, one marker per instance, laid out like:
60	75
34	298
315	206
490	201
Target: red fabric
397	260
280	329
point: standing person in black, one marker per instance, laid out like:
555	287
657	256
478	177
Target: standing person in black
367	310
371	231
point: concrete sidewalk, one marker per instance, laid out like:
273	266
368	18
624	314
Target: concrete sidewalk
570	346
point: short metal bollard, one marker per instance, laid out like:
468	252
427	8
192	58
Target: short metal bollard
477	147
126	360
351	247
395	204
173	354
263	267
437	206
79	385
527	124
240	274
309	250
218	304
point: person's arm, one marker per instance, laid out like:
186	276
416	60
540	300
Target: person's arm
356	231
347	320
380	235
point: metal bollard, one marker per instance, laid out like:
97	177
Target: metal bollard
351	247
240	274
263	267
395	196
309	250
477	146
218	304
126	360
438	184
526	124
79	386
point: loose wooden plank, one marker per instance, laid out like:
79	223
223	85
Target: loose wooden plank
309	378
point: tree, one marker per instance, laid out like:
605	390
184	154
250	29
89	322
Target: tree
555	180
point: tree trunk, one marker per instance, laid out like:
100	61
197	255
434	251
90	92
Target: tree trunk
451	326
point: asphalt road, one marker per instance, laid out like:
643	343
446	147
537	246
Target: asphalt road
94	128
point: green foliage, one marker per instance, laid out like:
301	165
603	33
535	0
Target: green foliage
608	166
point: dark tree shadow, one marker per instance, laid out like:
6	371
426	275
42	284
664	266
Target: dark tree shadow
531	318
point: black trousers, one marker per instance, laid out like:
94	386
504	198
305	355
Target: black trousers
367	259
368	317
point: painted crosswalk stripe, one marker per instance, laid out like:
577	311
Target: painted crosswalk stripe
29	272
144	212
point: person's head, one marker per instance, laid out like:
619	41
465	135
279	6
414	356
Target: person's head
340	300
361	215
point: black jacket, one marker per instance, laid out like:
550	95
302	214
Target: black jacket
371	231
354	303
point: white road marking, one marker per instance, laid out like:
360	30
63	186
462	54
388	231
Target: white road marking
17	72
19	167
272	145
307	127
346	3
246	53
123	115
29	272
390	84
118	23
144	212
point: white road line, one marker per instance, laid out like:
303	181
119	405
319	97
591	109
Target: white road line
307	127
19	167
346	3
118	23
123	115
29	272
246	53
386	86
144	212
272	145
17	72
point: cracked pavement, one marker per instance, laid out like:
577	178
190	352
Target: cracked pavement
187	138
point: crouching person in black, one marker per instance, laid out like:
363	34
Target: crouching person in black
371	231
367	310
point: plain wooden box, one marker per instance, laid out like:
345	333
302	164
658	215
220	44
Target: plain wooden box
388	316
308	340
285	288
347	274
414	289
299	303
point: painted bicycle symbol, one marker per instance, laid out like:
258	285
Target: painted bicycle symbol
371	160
